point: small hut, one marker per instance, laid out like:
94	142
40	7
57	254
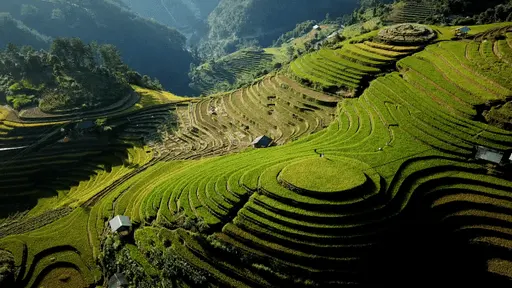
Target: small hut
490	155
262	142
120	224
462	31
317	27
118	280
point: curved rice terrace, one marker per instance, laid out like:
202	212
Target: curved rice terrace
233	69
379	188
413	11
347	71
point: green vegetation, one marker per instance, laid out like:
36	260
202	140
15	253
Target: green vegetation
73	79
323	175
397	159
232	71
346	70
19	101
6	268
147	46
63	277
412	11
500	116
234	24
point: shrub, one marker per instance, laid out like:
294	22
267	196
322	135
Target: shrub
6	268
20	101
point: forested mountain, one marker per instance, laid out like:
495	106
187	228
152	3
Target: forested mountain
72	76
147	46
188	16
245	22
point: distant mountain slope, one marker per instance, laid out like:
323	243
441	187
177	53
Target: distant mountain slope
188	16
12	30
147	46
237	21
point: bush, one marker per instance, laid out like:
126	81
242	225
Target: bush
6	268
20	101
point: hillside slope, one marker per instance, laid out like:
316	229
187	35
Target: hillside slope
383	188
147	46
188	16
236	22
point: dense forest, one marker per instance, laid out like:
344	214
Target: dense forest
147	46
71	76
469	12
241	23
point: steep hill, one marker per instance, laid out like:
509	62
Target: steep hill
188	16
147	46
235	70
236	22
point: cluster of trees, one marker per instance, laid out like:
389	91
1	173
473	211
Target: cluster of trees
6	268
500	116
181	220
147	46
367	10
499	13
138	266
470	12
299	30
71	76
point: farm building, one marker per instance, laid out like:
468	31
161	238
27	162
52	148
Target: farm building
316	27
120	224
490	155
462	31
118	280
262	142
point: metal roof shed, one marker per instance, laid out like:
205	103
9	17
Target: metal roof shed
262	142
118	280
490	155
464	29
120	223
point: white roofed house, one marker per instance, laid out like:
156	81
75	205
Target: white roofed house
492	155
120	224
118	280
262	142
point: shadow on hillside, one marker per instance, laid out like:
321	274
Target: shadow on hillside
423	250
56	173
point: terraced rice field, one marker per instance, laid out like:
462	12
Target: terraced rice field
276	107
382	188
231	69
350	68
411	12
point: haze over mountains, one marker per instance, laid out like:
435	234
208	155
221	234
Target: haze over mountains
150	42
147	46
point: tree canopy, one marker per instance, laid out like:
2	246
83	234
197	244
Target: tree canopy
72	75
